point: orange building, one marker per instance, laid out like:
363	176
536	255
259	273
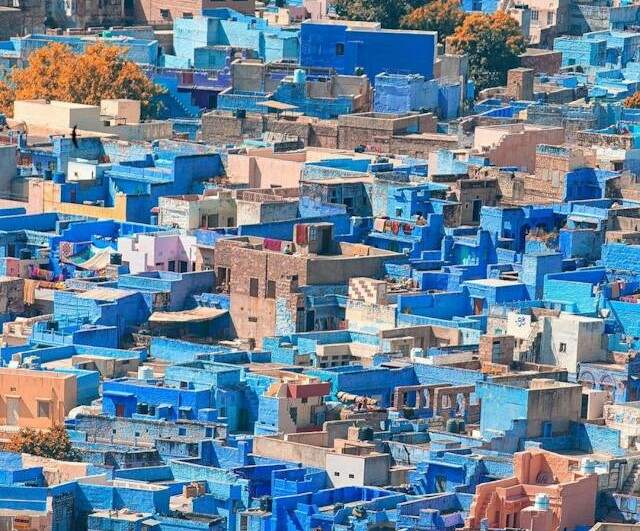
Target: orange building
34	398
548	492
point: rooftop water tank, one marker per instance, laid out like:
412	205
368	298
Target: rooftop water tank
299	76
542	502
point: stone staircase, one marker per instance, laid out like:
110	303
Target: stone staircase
631	485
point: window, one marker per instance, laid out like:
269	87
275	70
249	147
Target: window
293	413
184	266
304	400
534	15
165	13
212	220
398	212
271	289
550	17
337	474
253	287
563	347
351	476
172	265
182	431
224	277
441	484
252	319
43	409
339	48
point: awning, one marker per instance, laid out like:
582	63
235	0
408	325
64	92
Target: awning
118	394
196	315
277	105
584	219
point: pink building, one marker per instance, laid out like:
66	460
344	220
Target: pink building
262	168
158	252
548	492
515	144
317	9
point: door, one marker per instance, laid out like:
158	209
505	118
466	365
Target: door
119	410
477	207
13	409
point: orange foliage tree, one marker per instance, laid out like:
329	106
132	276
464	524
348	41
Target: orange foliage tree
493	43
54	72
443	16
54	444
633	101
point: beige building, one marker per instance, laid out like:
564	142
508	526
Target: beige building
120	118
337	449
216	208
158	11
568	340
266	205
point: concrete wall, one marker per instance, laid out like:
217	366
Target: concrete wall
569	340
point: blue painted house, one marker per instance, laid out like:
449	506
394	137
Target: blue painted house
347	48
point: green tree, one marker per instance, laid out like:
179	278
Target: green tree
493	43
53	444
388	12
443	16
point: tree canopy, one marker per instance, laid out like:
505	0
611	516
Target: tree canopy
54	444
443	16
54	72
493	43
388	12
633	101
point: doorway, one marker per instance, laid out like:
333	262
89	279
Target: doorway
13	411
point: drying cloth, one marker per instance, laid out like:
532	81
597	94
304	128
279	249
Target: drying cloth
272	245
378	224
301	234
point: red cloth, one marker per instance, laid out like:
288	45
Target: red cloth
272	245
395	227
301	235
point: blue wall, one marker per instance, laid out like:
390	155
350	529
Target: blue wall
376	51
